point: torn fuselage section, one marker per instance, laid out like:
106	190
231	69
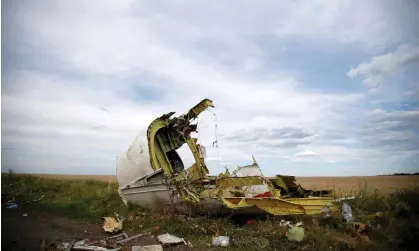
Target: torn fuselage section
164	182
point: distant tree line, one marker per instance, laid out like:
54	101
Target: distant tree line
399	174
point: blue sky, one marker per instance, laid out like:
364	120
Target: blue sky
311	88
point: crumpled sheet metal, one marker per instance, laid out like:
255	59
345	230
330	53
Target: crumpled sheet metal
111	225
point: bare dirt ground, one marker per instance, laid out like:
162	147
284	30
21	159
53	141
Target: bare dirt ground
27	232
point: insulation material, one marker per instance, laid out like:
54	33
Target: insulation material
252	170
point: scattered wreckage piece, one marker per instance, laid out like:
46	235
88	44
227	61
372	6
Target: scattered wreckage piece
131	238
70	245
93	248
112	225
147	248
118	237
152	175
347	213
170	239
296	234
221	241
80	245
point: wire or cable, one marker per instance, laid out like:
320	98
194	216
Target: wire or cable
197	130
215	143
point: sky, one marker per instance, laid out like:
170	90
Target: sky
310	88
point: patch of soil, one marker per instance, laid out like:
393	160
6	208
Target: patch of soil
27	232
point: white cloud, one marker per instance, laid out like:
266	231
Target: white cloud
390	63
87	76
305	153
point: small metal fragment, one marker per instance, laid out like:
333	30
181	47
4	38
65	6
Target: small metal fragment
118	237
70	245
131	238
93	248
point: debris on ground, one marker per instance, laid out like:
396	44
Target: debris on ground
346	198
131	238
221	241
189	244
25	214
112	225
118	237
148	248
326	212
288	224
296	234
109	244
12	205
284	223
80	245
250	222
169	239
347	213
70	245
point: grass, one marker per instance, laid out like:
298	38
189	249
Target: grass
90	200
344	186
81	199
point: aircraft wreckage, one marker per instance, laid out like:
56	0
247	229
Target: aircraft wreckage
152	175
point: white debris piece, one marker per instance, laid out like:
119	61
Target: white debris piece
222	241
326	212
347	212
169	239
346	198
147	248
284	223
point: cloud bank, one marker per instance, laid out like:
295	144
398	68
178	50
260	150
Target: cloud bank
80	79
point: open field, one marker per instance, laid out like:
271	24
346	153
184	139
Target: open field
71	207
342	185
351	185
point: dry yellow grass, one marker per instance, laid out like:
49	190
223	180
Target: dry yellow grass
105	178
350	185
342	185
